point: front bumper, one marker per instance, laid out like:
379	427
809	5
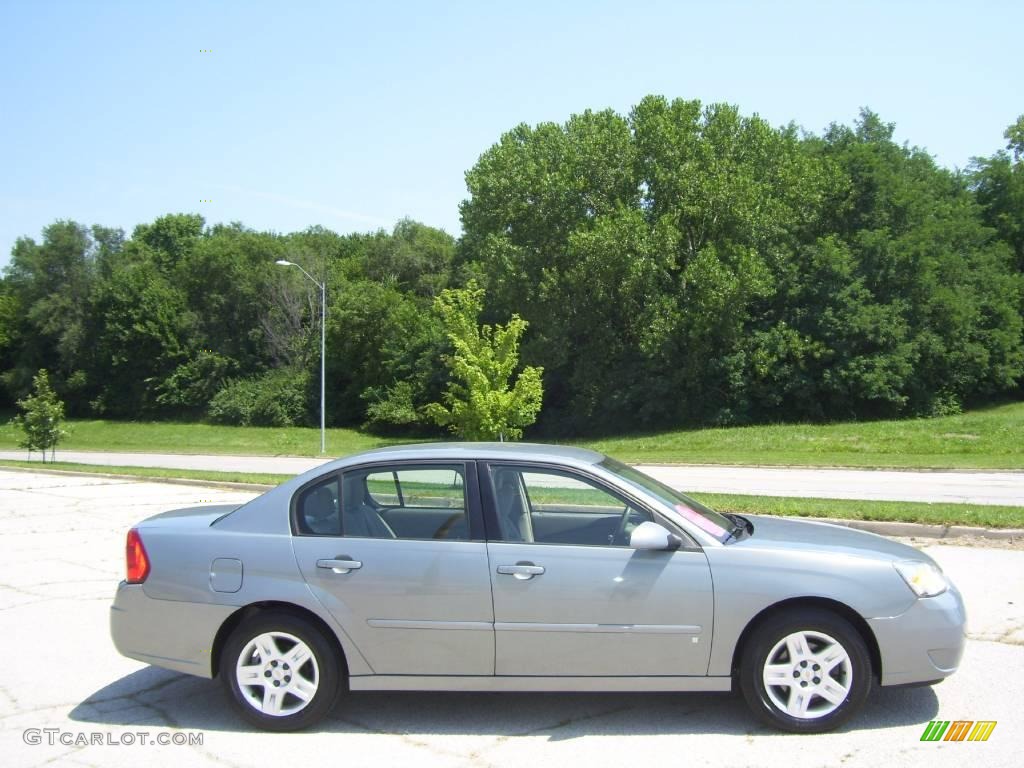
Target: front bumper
166	633
925	643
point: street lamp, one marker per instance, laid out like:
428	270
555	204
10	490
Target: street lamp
323	346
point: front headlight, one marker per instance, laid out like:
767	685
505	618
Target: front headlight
924	578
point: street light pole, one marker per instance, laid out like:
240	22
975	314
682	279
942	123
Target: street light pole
323	348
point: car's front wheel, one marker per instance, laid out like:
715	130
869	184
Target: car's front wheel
280	671
806	671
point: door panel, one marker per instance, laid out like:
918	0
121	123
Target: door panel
404	578
601	611
413	607
570	598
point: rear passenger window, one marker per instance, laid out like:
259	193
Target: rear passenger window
318	508
403	502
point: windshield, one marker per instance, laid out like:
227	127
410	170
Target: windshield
703	517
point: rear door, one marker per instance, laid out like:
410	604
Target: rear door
396	553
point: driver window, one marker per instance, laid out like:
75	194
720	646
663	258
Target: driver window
552	507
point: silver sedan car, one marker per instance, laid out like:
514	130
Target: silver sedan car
513	567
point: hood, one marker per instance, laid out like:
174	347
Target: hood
786	533
189	517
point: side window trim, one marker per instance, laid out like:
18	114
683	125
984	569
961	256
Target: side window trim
493	528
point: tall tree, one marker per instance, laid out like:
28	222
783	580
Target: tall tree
691	263
142	332
998	182
50	283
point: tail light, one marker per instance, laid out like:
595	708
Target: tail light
136	559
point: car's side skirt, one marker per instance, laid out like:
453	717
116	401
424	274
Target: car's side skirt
517	683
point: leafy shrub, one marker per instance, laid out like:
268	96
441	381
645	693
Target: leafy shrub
392	411
193	384
943	403
276	398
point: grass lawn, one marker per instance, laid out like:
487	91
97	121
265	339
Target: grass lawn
848	509
901	511
175	437
987	438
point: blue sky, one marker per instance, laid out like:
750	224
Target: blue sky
353	115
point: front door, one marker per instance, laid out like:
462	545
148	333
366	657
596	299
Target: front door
571	598
396	553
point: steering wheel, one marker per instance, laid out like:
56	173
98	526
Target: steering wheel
619	537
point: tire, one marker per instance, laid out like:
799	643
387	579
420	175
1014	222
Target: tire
805	671
280	672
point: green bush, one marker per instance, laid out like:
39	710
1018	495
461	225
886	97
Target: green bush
392	411
274	399
194	384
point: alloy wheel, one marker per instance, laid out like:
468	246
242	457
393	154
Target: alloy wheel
277	673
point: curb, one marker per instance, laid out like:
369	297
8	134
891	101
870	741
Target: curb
145	478
881	527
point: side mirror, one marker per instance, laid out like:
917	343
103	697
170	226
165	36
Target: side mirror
652	536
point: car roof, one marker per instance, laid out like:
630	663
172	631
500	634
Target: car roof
484	451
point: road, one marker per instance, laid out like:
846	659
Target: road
61	555
1003	488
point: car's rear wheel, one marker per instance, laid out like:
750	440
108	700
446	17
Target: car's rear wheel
806	671
279	671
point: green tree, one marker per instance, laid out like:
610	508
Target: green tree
693	264
379	336
998	183
479	403
636	248
415	257
50	283
142	334
41	417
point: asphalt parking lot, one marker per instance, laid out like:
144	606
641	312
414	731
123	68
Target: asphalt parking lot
61	556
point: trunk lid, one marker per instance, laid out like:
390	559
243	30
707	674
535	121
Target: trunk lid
188	517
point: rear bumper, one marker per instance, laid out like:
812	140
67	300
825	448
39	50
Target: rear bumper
166	633
924	644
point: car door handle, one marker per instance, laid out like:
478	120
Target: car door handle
342	564
521	570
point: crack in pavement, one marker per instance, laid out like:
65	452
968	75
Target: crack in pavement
10	696
88	566
404	736
73	598
159	685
